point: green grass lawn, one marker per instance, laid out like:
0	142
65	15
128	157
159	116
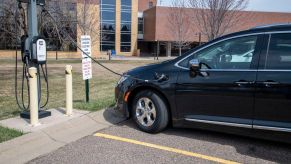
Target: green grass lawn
101	85
7	134
101	88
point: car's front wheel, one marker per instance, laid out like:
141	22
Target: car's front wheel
150	112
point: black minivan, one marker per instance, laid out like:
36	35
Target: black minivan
239	83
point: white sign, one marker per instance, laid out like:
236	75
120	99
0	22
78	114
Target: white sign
86	46
86	61
87	69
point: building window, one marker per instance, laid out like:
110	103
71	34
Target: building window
108	3
107	15
126	3
140	26
126	16
125	41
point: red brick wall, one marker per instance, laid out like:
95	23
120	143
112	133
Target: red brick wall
157	23
144	4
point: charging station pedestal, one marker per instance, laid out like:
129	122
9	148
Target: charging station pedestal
38	57
34	52
41	114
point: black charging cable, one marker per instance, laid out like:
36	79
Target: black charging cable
21	104
45	75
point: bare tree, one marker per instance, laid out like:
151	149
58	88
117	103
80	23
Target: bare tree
217	17
63	27
59	34
88	19
69	17
12	24
179	21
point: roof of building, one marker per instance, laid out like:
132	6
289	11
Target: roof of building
157	25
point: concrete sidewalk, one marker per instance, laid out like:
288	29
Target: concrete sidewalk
52	135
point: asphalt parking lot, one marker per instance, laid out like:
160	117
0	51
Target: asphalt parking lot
123	143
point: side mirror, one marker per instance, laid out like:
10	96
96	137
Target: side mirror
194	65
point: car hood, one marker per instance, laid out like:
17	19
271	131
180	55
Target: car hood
147	68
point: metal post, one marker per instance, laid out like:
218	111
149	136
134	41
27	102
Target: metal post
199	38
87	90
169	49
109	54
158	50
33	94
69	91
32	20
33	32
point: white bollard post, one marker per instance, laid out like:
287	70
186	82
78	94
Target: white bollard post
33	94
69	91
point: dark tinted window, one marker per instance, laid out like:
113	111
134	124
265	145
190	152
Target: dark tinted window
108	2
230	54
140	25
125	38
126	28
126	17
125	48
126	2
107	27
108	46
107	36
279	52
108	15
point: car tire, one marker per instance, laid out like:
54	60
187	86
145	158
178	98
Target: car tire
149	111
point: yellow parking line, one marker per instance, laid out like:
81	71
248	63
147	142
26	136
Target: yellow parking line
169	149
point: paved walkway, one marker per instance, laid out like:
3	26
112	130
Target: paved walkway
52	135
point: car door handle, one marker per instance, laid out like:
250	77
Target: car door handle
269	83
243	82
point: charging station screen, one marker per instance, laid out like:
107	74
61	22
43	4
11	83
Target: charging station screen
41	50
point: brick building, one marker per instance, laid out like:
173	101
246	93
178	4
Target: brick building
158	37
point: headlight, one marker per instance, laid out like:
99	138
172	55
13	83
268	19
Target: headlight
122	79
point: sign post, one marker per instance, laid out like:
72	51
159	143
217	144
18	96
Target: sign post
86	63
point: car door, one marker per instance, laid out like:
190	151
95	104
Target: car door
273	96
225	92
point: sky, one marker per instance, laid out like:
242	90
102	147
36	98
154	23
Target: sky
257	5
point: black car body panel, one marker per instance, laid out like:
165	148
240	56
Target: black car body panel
247	94
145	77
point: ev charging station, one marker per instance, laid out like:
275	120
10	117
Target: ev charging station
34	54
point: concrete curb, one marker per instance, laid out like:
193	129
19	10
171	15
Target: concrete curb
46	140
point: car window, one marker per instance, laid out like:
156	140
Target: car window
230	54
279	53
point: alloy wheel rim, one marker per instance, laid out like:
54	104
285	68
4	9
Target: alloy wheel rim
145	112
